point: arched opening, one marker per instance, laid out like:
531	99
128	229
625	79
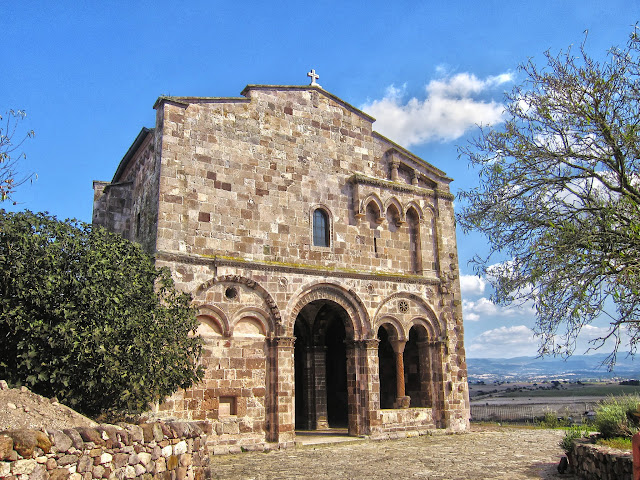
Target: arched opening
393	218
413	222
416	368
320	361
387	369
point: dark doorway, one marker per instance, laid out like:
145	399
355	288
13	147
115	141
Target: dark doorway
337	398
320	361
387	366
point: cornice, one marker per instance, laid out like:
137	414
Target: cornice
358	178
302	269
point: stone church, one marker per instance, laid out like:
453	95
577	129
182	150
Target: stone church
321	257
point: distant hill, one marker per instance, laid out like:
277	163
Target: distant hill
576	367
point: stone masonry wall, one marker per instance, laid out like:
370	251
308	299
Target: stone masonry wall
129	204
238	181
596	462
176	451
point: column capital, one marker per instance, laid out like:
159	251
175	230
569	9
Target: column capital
398	345
284	342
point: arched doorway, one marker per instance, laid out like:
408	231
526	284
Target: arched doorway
320	360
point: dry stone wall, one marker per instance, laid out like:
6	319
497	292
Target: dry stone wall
596	462
172	450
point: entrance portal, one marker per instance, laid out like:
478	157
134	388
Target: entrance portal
320	359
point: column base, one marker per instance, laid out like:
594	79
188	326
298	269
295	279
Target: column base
322	424
402	402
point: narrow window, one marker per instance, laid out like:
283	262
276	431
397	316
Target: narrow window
320	228
414	241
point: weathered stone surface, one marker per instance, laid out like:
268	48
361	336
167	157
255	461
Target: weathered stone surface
67	460
75	437
23	467
25	441
90	435
59	474
85	464
6	447
39	473
61	441
120	460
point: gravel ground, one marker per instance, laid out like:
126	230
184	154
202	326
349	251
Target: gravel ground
483	453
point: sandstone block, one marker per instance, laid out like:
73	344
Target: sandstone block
75	437
180	448
59	474
61	441
6	447
67	460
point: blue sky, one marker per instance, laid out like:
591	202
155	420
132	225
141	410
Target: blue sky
88	73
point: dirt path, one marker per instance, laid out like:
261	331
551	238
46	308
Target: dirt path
484	453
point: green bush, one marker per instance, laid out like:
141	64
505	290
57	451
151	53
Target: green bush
552	420
572	434
86	317
616	416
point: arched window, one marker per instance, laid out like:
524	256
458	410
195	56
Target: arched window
320	228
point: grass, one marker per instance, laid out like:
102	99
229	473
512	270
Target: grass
618	442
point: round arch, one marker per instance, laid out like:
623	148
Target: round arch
428	318
359	325
270	316
213	314
396	330
256	315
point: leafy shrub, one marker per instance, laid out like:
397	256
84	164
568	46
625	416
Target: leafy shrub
572	434
86	317
551	420
616	416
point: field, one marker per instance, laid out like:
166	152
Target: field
523	401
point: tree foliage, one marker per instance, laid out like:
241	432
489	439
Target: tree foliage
559	194
85	316
9	156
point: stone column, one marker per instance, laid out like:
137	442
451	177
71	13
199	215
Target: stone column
370	386
285	416
402	400
394	169
440	403
353	397
309	390
424	349
319	365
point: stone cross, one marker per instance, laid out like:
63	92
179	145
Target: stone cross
314	76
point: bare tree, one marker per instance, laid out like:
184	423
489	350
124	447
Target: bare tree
559	194
10	153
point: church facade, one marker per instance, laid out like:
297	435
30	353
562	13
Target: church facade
321	257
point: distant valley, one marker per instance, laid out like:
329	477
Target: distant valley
576	367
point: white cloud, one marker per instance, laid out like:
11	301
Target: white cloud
484	308
472	285
446	113
504	342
